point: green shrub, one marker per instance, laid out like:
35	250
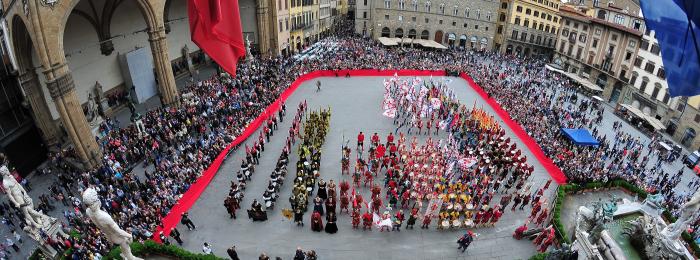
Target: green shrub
150	247
539	256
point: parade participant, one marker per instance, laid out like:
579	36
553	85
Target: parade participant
331	227
412	218
355	218
299	217
366	221
360	141
318	205
330	205
322	192
465	240
316	222
426	221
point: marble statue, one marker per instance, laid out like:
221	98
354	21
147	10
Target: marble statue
91	107
655	201
689	211
19	198
99	96
106	224
248	54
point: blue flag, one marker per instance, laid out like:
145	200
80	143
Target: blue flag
676	25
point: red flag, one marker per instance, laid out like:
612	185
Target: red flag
215	26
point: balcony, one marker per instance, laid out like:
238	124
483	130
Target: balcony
302	26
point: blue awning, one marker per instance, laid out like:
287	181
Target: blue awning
676	25
580	136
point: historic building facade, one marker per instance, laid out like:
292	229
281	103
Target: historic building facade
598	50
456	24
530	28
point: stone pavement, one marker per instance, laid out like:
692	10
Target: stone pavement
353	100
355	105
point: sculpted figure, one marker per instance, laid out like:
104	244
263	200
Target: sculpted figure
688	212
106	224
19	198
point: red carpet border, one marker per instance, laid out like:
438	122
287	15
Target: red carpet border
192	194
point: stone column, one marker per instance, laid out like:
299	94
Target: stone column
63	93
164	71
262	17
40	111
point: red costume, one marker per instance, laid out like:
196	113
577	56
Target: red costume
316	222
367	221
355	218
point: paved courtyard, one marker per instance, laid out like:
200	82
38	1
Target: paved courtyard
355	105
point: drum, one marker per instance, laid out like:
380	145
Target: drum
468	223
445	223
309	189
450	206
268	204
456	223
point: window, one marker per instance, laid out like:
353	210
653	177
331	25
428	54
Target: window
465	25
402	4
614	37
502	17
454	23
555	19
655	49
486	28
476	27
523	36
549	17
579	52
643	86
415	5
517	21
546	28
633	43
466	13
649	67
455	12
478	14
365	2
619	19
488	16
637	25
526	23
442	8
633	79
541	27
582	38
597	31
387	4
638	62
575	25
565	33
567	23
386	17
280	25
504	5
655	93
661	73
534	25
400	18
628	56
536	13
514	35
528	11
532	38
500	29
427	7
413	19
440	21
697	118
364	15
644	45
519	9
427	20
561	47
666	97
585	27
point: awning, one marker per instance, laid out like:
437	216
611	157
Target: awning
655	123
451	36
473	39
387	41
429	44
597	98
583	82
580	136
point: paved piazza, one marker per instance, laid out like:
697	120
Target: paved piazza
355	104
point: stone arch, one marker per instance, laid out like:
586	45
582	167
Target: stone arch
412	33
398	33
438	36
23	44
425	35
386	32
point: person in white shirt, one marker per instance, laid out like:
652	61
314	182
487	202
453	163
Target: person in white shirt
206	248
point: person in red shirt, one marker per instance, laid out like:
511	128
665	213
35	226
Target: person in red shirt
390	139
392	150
360	141
375	140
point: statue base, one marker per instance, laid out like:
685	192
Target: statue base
51	230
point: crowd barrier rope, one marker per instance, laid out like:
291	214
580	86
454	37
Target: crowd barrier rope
197	188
